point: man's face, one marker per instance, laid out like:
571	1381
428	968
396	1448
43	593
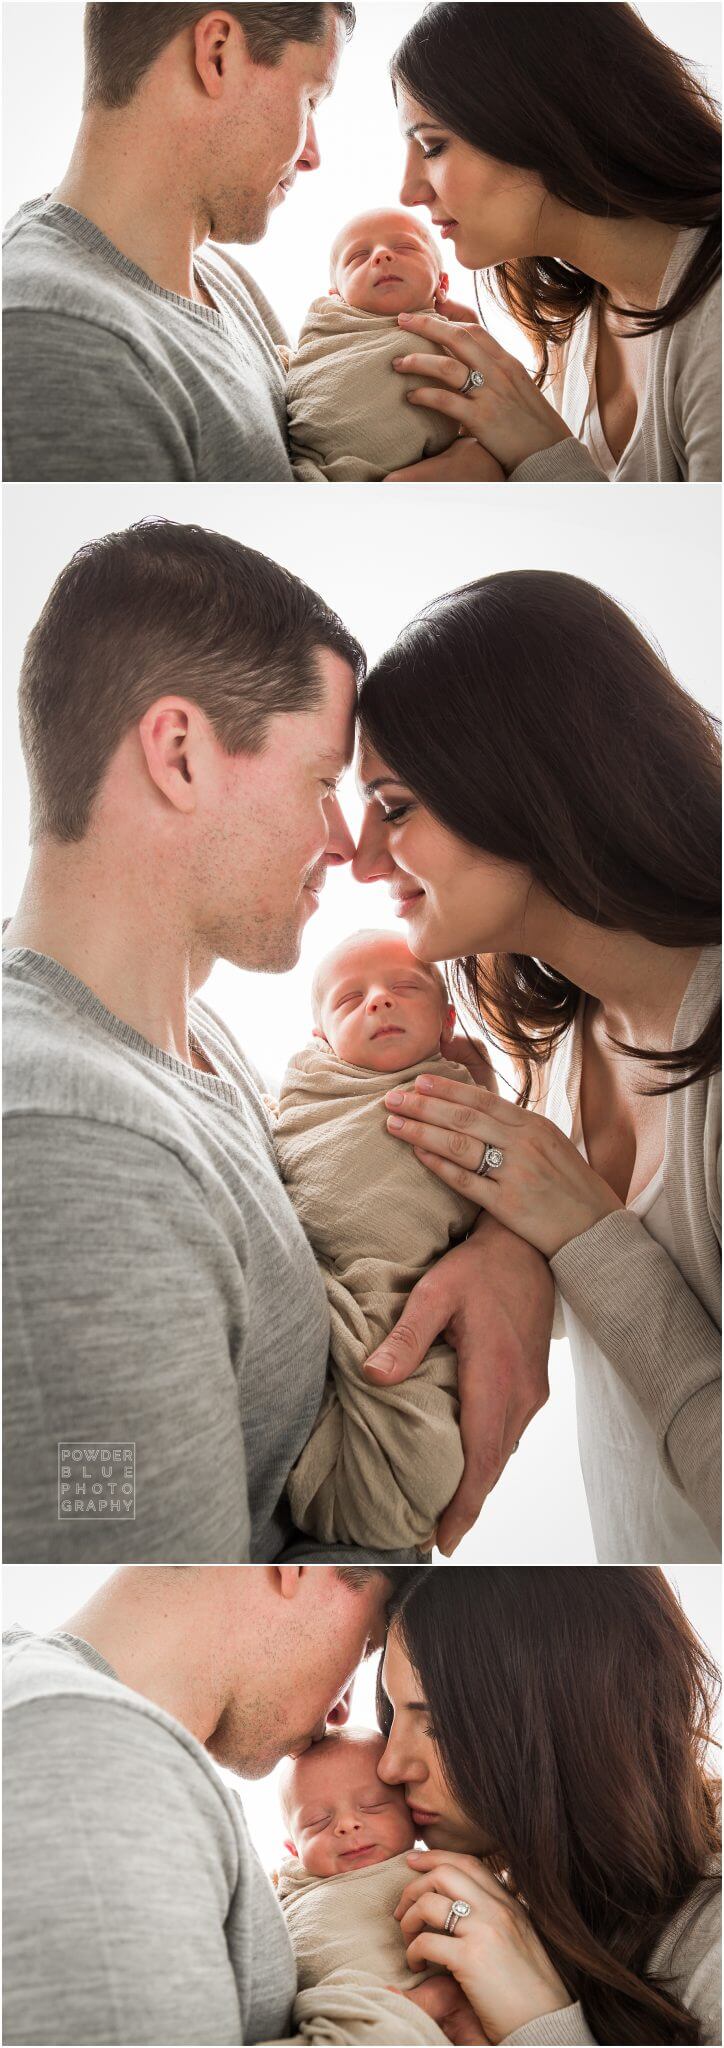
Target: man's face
386	263
308	1650
268	826
263	131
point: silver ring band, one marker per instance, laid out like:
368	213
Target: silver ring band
473	382
491	1161
459	1910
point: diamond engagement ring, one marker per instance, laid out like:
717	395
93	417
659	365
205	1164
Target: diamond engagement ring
473	382
492	1158
459	1910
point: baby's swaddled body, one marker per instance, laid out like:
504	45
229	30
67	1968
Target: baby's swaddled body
382	1462
350	1955
348	417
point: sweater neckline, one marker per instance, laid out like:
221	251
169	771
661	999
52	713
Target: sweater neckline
84	230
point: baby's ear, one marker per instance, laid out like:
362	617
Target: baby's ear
317	1033
289	1846
443	285
448	1029
333	292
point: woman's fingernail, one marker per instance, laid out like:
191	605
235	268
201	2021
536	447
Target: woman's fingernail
395	1123
395	1096
425	1085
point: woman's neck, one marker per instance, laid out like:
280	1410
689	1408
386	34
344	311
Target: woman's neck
629	258
639	985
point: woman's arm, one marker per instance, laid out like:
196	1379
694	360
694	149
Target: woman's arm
632	1297
624	1286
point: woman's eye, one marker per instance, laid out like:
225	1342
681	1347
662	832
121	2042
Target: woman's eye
394	817
437	150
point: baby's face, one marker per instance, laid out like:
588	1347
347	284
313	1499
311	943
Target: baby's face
341	1816
380	1008
385	263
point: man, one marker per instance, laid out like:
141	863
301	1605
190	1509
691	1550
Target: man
187	709
135	345
135	1906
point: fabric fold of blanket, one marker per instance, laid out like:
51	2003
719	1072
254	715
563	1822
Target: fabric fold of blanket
348	418
352	1971
382	1462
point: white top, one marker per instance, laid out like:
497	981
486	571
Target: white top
638	1514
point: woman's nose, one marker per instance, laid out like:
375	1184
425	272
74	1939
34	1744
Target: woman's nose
394	1768
372	862
415	189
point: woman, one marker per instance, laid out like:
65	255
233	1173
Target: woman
576	161
550	1728
544	801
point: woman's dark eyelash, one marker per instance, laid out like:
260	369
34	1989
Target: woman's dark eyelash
436	150
400	812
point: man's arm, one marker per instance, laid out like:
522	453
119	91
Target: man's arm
120	1867
492	1297
80	406
125	1315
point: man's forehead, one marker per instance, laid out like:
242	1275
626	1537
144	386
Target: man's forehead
320	61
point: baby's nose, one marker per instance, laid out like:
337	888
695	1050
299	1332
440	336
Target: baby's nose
346	1823
378	998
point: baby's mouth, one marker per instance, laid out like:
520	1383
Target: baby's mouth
389	1031
391	279
354	1855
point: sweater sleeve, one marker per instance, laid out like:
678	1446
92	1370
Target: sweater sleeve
631	1296
568	462
560	2029
697	396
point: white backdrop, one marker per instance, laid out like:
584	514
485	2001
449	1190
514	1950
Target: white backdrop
376	557
42	1598
360	144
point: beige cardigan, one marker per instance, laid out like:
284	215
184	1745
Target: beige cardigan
687	1958
658	1321
677	437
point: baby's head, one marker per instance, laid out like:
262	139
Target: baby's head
339	1814
378	1007
387	262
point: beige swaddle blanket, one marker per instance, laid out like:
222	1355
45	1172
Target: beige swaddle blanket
350	1952
348	418
381	1463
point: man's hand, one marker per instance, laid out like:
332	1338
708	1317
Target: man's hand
442	1999
463	462
492	1299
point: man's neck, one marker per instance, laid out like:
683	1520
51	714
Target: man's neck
111	924
137	199
161	1640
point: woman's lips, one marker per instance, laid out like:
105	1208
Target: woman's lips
421	1817
402	903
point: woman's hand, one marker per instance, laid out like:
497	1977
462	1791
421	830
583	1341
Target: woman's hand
543	1189
507	414
444	2002
494	1954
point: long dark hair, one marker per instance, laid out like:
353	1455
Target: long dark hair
571	1711
532	717
614	123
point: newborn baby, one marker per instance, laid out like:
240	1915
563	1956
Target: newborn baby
338	1889
349	421
382	1462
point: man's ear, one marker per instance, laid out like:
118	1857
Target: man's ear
443	285
211	51
288	1577
166	735
290	1847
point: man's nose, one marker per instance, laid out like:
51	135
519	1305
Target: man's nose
372	862
340	845
310	158
415	189
341	1712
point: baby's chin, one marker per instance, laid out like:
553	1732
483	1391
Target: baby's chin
390	1055
386	300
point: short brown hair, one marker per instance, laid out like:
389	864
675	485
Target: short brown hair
122	42
157	608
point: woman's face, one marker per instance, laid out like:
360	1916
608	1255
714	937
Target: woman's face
490	211
453	898
410	1758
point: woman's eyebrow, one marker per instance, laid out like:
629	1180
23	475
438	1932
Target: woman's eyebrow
369	788
419	127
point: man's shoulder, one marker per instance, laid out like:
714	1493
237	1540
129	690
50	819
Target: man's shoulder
58	1061
47	270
